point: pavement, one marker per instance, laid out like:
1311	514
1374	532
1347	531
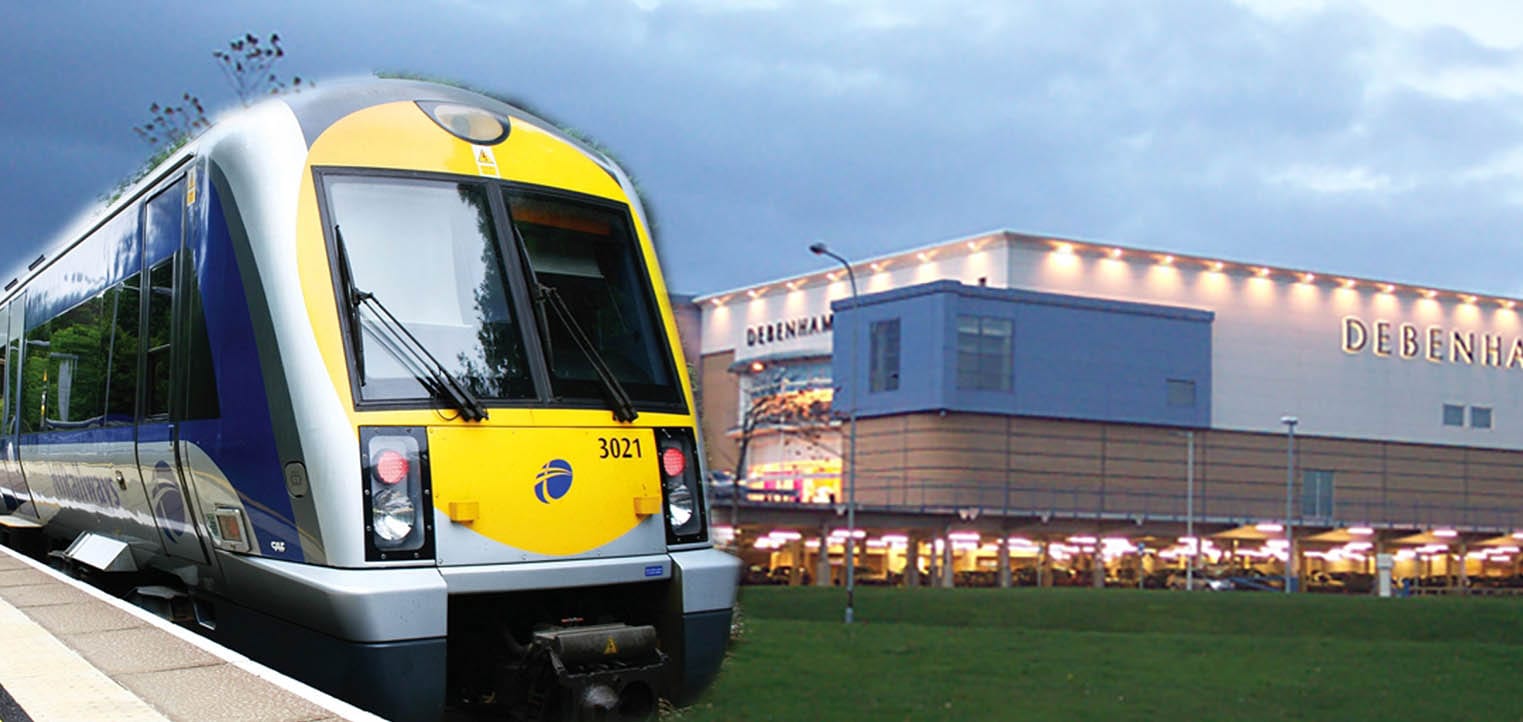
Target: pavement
73	652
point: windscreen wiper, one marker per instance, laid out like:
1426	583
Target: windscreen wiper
438	380
351	302
623	406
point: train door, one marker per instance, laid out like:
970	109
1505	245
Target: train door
14	493
159	459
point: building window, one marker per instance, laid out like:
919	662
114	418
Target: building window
1316	494
1454	415
984	353
1480	417
1181	393
883	369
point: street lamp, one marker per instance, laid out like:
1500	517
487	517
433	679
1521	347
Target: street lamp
1190	510
1290	479
819	249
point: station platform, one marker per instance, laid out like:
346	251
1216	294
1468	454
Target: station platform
71	652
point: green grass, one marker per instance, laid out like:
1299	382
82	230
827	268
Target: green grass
1084	654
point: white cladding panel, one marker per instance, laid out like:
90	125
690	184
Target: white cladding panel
1278	347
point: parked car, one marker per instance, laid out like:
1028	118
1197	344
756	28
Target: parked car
756	574
1180	579
1253	580
783	573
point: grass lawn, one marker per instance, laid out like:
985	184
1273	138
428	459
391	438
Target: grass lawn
1087	654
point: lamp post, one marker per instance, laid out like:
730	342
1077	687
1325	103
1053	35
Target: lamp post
1290	479
819	249
1194	560
1190	510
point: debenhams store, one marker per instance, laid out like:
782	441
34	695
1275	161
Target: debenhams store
1048	410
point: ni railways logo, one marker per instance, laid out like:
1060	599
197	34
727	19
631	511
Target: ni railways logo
1435	344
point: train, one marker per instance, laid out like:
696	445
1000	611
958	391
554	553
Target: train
379	384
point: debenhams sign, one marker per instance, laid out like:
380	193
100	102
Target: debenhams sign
788	330
1430	343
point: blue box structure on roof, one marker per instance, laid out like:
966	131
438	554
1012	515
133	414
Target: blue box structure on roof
1072	357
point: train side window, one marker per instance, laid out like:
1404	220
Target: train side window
123	312
5	365
157	334
13	361
34	378
77	349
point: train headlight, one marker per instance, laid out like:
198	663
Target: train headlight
467	123
679	503
396	489
679	485
393	515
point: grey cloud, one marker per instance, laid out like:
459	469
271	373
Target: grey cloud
758	129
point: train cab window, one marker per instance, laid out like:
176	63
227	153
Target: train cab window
428	253
200	397
587	254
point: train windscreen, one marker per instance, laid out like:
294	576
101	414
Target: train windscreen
586	254
470	287
428	251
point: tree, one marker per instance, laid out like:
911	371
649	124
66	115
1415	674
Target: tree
248	66
173	125
805	411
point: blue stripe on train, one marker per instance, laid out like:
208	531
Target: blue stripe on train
242	441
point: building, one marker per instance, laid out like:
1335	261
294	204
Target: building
1048	401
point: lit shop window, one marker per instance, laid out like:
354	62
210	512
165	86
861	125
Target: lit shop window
984	353
1454	415
1480	417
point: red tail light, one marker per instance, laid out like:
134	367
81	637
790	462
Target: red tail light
391	466
673	461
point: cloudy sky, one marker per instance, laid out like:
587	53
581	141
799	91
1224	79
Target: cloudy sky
1380	139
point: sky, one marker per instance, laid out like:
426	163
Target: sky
1372	138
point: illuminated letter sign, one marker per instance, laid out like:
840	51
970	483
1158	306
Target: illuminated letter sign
1355	335
1434	344
1408	341
789	330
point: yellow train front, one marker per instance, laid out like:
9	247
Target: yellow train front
484	420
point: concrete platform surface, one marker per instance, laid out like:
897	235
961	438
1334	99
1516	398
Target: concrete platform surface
69	651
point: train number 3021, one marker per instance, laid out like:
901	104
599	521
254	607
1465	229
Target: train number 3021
618	447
